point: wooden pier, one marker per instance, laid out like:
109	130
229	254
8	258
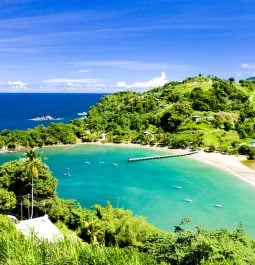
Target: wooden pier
136	159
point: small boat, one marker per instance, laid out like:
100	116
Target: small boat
188	200
218	205
84	113
102	162
86	162
45	118
115	164
178	187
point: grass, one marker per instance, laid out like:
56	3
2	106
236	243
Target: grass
249	163
19	251
220	137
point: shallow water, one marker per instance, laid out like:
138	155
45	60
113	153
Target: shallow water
101	173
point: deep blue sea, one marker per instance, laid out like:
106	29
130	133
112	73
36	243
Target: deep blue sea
17	109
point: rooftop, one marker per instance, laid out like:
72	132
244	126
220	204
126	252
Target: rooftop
41	227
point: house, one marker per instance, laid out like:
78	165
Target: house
210	118
252	144
40	227
195	118
163	106
102	137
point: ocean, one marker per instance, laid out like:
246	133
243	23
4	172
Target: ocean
17	109
163	191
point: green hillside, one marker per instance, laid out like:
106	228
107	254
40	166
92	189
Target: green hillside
251	78
205	112
199	112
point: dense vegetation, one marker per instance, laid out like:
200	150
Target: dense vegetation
205	112
185	247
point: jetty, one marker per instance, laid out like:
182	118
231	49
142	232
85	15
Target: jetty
136	159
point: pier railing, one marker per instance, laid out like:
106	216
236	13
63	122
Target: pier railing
136	159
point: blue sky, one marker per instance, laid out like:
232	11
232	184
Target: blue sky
110	45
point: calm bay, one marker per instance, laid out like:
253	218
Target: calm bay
163	191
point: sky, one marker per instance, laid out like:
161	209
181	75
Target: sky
114	45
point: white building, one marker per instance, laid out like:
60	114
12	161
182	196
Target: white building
41	228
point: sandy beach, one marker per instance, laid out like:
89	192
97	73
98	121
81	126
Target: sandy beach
230	163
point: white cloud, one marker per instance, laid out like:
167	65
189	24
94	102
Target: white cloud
16	84
83	71
71	81
248	66
131	65
13	86
83	85
143	85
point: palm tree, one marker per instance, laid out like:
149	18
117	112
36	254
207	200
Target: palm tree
32	167
92	229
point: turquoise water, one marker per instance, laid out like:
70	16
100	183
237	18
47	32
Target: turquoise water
100	173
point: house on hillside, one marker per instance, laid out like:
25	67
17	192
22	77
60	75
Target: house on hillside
252	144
41	228
210	118
102	137
195	118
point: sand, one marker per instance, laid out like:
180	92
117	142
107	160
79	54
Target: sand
230	163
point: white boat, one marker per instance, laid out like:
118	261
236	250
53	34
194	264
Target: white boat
218	205
84	113
45	118
115	164
188	200
178	187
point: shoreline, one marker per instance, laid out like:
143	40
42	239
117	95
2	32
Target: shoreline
230	163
